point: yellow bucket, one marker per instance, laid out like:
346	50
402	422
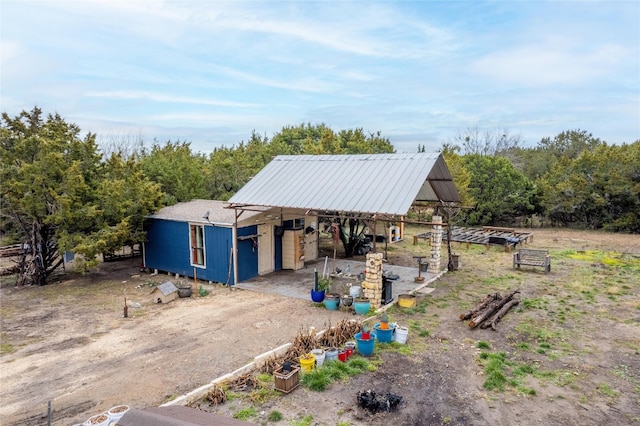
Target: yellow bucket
307	362
406	300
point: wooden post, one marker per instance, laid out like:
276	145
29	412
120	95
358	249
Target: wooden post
195	281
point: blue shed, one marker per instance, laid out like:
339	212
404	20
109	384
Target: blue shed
196	239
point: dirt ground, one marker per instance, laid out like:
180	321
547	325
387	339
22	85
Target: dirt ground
69	343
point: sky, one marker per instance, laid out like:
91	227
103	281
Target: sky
420	72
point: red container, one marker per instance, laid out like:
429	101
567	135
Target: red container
342	355
349	352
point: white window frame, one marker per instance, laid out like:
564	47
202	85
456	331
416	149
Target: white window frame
197	245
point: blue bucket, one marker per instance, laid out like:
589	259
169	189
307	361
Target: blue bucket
384	336
317	296
365	347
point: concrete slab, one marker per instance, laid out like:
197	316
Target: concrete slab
298	284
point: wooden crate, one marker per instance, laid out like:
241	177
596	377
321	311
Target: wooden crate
286	382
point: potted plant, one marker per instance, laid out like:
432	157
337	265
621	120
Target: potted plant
346	300
364	342
366	333
319	290
331	300
384	332
361	305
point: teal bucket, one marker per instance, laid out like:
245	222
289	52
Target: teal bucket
365	347
331	303
384	336
361	308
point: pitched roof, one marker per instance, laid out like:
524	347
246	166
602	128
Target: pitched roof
167	288
195	211
369	183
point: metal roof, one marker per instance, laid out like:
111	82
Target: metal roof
167	288
364	183
195	211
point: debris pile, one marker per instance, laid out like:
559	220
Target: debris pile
216	395
305	341
371	401
490	310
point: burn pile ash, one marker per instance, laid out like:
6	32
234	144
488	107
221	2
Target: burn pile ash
374	403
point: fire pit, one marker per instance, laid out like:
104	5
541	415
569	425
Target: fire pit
374	403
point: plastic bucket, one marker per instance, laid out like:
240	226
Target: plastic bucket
307	362
319	356
401	334
331	354
361	308
331	303
116	413
98	420
317	296
407	300
354	291
384	336
365	347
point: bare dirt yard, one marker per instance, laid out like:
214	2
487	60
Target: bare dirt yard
568	354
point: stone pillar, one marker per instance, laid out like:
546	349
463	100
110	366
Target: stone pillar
436	244
372	284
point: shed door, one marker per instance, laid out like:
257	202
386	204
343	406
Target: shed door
265	249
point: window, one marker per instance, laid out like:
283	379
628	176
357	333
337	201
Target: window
197	245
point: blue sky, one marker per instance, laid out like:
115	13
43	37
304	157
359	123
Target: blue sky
420	72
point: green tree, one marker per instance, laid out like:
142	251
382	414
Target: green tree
501	192
183	175
231	168
536	162
598	189
52	185
48	175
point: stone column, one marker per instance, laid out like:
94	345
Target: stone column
436	244
372	284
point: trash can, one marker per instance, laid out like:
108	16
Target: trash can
424	266
387	291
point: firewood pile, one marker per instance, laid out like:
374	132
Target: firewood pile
490	310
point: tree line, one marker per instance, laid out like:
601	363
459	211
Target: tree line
62	191
571	180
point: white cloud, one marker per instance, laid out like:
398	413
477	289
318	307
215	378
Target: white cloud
551	62
159	97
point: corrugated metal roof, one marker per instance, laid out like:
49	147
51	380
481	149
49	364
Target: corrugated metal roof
194	211
369	183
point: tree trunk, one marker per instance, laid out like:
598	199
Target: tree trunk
496	317
480	306
493	306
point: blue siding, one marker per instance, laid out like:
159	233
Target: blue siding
218	244
247	254
167	249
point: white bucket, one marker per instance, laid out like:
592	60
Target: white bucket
116	412
400	334
319	356
354	291
95	420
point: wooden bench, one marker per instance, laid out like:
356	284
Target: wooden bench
532	257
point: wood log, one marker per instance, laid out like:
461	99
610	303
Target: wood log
493	307
496	317
480	306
